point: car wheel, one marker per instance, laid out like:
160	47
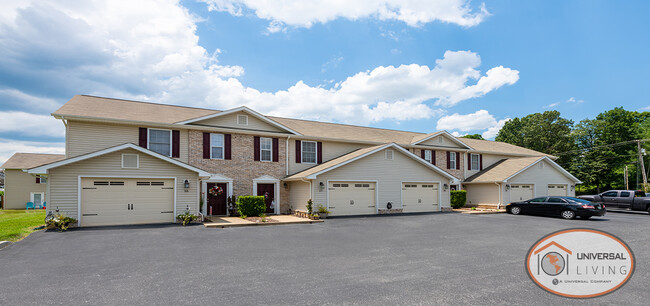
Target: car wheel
568	214
515	210
648	210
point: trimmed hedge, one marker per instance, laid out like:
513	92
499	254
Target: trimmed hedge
458	198
251	206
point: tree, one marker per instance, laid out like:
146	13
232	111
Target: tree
545	132
473	136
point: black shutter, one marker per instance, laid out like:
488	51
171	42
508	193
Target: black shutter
206	145
276	150
143	137
256	148
176	144
448	160
319	152
298	152
227	150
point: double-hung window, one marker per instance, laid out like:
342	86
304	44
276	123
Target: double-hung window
427	155
266	149
309	152
160	141
216	146
475	162
452	160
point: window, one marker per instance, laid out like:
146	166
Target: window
130	161
160	141
42	179
362	185
216	146
537	200
439	139
475	162
37	198
611	194
242	119
308	152
624	194
452	160
555	200
389	154
266	148
427	155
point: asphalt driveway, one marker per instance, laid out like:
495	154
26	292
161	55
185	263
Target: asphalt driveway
418	259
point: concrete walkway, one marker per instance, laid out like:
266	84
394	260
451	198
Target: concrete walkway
222	222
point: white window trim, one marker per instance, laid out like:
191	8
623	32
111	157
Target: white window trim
430	155
239	116
170	140
270	151
453	158
478	161
302	152
223	147
40	179
137	161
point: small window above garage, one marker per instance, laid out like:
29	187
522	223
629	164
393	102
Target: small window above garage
130	161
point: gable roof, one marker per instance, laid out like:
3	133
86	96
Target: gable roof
506	169
43	169
98	108
30	160
313	172
245	110
422	138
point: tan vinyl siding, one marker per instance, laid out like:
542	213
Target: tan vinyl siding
446	142
299	194
86	137
331	150
482	194
18	186
64	179
389	175
541	178
230	121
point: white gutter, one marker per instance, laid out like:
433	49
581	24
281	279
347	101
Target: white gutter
286	153
499	204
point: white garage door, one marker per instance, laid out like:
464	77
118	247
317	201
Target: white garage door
118	201
352	198
419	197
521	192
557	190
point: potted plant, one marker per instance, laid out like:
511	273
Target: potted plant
322	211
59	221
313	217
186	217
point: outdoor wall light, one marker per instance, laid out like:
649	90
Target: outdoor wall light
573	187
321	186
445	187
507	187
186	185
285	186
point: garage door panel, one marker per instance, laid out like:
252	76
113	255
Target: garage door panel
521	192
420	197
557	190
352	198
115	201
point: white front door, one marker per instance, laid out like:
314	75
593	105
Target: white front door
37	199
420	197
352	198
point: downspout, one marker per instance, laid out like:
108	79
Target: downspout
286	153
499	204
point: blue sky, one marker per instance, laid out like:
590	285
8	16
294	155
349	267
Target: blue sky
462	66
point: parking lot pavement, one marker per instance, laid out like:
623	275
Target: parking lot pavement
446	258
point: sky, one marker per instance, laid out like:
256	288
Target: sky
462	66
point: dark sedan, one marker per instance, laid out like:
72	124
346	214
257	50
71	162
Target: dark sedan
565	207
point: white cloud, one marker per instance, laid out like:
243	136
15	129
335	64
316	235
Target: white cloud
150	52
9	147
573	100
647	108
27	124
305	13
479	120
332	63
494	130
552	105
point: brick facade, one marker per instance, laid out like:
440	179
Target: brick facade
441	162
241	168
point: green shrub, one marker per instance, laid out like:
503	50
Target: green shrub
458	198
187	217
310	206
322	210
59	221
251	206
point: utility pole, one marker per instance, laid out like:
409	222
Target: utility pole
645	178
627	185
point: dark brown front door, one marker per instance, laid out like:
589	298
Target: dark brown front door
217	203
267	190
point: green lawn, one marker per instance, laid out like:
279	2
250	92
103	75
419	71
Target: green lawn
17	224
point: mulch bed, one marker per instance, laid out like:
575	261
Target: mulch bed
259	220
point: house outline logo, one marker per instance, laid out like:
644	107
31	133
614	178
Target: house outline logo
552	260
580	263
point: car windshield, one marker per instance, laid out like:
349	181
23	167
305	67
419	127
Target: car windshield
577	201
